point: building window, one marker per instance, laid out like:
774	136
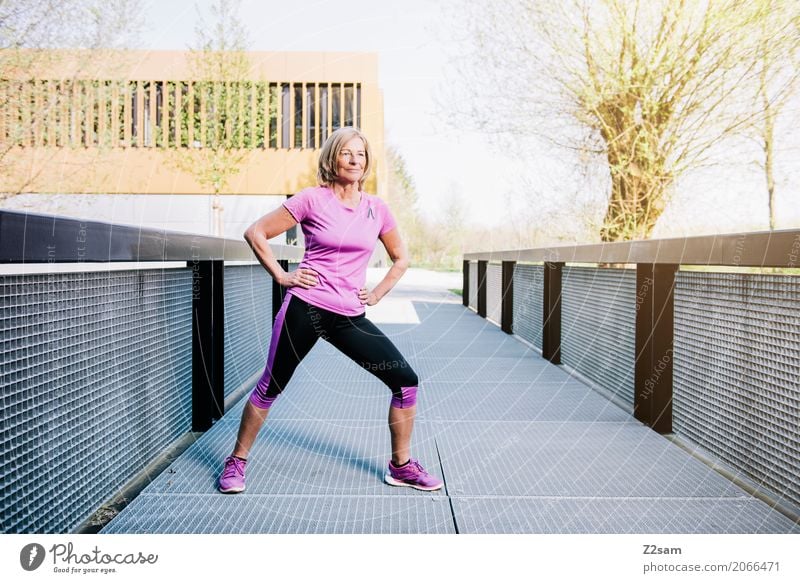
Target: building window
298	115
323	113
349	105
358	105
311	123
169	114
273	115
285	119
336	106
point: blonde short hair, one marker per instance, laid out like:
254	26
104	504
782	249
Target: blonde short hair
328	158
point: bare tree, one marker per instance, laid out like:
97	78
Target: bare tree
651	87
779	72
50	35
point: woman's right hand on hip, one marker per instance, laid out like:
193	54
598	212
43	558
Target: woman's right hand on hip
303	277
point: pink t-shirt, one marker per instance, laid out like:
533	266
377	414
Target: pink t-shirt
339	242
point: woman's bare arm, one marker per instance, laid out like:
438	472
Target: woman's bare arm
258	235
397	252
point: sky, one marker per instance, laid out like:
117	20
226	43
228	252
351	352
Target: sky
414	56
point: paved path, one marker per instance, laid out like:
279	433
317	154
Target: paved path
523	448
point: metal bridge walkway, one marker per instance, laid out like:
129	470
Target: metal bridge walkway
523	447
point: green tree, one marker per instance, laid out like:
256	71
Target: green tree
219	63
453	227
402	198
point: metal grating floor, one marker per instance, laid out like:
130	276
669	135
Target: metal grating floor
557	515
524	448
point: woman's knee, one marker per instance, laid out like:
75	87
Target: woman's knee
404	387
397	373
408	378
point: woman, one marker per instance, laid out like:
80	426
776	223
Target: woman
325	298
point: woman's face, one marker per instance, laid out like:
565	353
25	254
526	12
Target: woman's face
351	161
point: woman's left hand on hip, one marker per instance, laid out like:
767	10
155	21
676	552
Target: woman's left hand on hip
367	297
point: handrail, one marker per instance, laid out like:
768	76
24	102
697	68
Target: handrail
41	238
779	248
657	263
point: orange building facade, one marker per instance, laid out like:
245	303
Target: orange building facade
132	121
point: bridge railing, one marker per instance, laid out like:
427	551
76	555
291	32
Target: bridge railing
710	354
124	342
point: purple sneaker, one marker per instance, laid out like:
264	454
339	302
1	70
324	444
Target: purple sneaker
412	475
232	479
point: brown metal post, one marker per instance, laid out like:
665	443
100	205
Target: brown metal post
482	288
652	402
507	295
551	318
465	285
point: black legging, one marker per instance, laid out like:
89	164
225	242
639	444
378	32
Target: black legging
297	327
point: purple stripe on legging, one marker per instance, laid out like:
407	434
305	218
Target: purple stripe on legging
259	395
406	399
